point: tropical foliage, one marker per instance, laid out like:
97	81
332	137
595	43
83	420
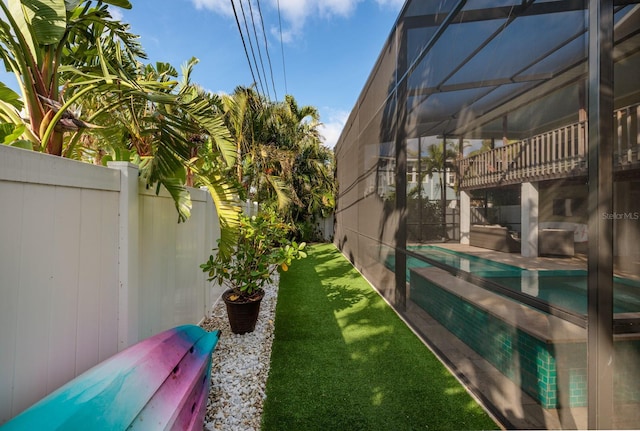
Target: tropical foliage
84	92
45	43
282	162
429	216
262	248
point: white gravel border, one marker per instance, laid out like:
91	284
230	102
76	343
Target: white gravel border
240	368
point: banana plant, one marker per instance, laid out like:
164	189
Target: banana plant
170	126
37	38
71	54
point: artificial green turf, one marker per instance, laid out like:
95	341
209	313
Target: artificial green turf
343	360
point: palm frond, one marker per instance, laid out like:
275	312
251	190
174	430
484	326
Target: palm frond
228	209
181	197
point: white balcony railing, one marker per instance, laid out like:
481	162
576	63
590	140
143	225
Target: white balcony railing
558	153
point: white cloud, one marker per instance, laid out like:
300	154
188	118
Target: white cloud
287	35
296	12
116	13
222	7
332	127
344	8
393	4
293	10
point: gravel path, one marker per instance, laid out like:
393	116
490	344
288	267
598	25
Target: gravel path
240	368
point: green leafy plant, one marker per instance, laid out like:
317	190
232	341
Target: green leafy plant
263	247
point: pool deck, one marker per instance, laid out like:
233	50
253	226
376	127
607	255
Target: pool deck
513	408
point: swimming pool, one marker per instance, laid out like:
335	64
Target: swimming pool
462	261
449	258
568	289
519	335
565	289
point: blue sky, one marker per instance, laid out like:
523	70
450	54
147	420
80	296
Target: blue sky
330	46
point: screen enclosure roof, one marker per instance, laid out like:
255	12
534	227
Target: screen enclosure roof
475	69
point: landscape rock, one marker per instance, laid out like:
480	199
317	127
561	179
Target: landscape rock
240	368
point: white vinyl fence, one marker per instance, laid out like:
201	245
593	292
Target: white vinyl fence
90	263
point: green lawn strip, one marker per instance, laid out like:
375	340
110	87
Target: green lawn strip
343	360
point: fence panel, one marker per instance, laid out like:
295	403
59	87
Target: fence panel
62	293
58	273
173	288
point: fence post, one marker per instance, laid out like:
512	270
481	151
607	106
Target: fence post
212	232
207	229
128	251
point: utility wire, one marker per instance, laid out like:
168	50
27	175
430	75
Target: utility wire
266	47
253	53
255	33
284	70
243	42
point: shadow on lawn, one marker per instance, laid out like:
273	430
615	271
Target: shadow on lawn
333	272
342	359
310	382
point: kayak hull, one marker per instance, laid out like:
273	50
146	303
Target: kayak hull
159	383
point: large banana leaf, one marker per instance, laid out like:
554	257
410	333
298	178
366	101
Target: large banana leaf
47	19
215	127
125	4
46	42
181	197
9	96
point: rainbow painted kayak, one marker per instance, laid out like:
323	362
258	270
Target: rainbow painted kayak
160	383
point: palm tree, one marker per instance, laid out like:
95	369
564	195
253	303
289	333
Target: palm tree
440	158
261	153
280	160
308	175
313	181
238	114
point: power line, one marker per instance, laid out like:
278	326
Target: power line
255	33
243	42
259	81
253	53
266	47
284	70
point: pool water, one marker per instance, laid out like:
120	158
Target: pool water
562	288
463	261
569	291
460	261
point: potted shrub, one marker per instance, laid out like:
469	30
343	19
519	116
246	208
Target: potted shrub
263	248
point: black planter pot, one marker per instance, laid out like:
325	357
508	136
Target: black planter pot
243	314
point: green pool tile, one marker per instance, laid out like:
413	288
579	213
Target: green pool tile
505	347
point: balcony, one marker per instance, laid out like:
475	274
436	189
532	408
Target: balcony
560	153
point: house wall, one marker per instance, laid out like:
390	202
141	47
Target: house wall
77	281
578	193
626	217
570	213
